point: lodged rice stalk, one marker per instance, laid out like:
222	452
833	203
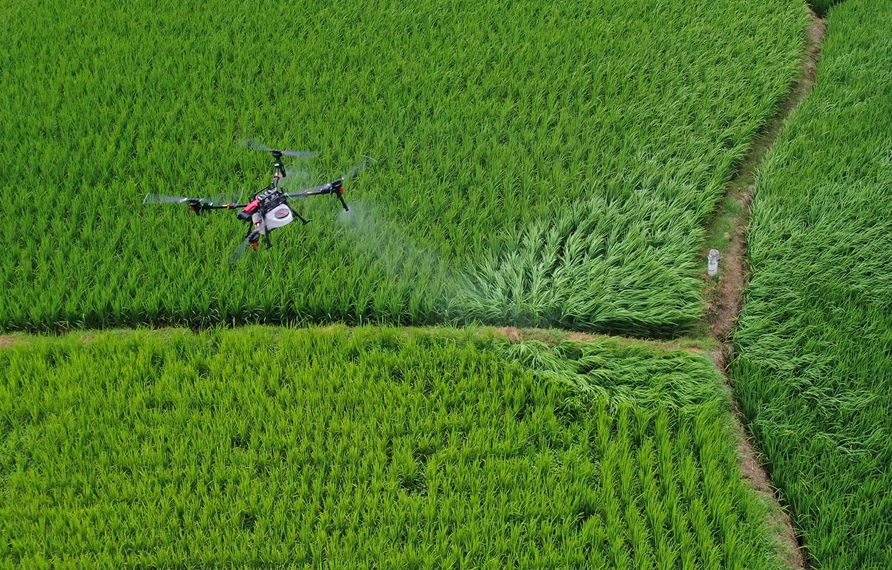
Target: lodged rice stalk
814	345
494	124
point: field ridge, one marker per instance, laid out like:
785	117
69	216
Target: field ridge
725	294
725	291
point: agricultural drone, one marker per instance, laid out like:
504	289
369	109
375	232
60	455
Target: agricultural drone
267	209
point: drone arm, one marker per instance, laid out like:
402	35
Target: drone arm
223	206
317	191
335	188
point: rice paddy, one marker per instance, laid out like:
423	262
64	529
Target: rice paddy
815	349
537	166
367	447
546	165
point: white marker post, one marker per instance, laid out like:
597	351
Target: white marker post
712	267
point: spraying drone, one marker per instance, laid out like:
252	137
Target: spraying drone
267	209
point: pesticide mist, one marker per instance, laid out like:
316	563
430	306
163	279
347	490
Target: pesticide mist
425	277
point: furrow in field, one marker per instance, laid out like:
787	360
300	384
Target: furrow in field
813	346
725	291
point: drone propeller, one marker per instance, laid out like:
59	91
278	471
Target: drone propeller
239	251
252	239
251	144
197	204
165	199
362	165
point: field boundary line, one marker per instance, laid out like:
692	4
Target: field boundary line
725	293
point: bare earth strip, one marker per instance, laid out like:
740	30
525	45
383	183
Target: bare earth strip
725	293
6	341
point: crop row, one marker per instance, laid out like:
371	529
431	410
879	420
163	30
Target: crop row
814	341
492	122
366	448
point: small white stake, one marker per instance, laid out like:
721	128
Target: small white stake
713	266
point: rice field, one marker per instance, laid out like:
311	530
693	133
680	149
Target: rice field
537	164
814	370
367	447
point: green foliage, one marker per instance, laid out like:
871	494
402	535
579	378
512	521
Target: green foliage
366	448
822	6
492	121
815	340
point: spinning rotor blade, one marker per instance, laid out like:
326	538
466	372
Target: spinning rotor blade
228	198
251	144
165	199
239	251
300	153
363	164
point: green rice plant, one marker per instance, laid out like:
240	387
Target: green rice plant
366	447
538	164
814	341
822	6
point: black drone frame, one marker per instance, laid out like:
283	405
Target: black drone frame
270	200
272	197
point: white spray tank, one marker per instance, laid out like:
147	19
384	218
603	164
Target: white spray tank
277	217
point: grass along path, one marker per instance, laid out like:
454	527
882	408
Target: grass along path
724	291
813	350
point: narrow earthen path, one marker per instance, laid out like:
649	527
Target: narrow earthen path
725	291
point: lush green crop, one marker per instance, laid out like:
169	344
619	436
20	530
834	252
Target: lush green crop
538	162
366	448
815	339
821	6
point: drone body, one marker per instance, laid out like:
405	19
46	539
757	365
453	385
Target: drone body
268	209
266	212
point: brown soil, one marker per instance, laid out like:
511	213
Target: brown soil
724	298
725	295
755	474
6	341
516	335
513	335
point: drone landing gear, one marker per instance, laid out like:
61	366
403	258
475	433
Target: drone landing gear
296	215
254	239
